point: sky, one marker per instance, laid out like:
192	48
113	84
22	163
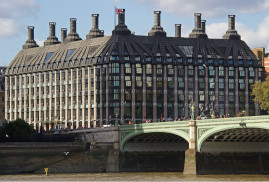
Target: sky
252	19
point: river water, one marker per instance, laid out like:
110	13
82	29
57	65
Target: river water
124	176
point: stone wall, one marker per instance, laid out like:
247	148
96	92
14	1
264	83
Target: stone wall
152	161
233	163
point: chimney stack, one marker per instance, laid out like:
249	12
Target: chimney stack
231	33
95	32
52	28
63	34
121	17
73	25
177	30
121	28
31	32
52	39
231	19
197	20
157	30
203	24
198	31
95	22
73	36
30	43
157	18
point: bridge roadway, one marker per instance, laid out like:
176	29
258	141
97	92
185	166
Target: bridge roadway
249	133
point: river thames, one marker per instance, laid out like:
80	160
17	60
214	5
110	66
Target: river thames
124	176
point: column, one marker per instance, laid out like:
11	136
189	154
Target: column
175	92
186	96
206	87
226	91
83	97
94	98
165	91
154	93
257	107
56	115
216	89
246	92
122	94
107	94
196	91
89	97
61	99
45	101
6	98
236	91
16	98
144	96
20	97
30	98
66	99
72	103
50	99
40	119
78	92
133	94
25	96
101	93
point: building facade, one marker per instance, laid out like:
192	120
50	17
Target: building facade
129	78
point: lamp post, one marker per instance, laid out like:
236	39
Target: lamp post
116	114
192	103
116	121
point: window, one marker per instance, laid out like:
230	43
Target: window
138	81
69	53
159	69
221	83
211	71
231	71
170	69
48	56
231	83
128	68
128	82
190	70
211	83
138	69
221	71
149	69
149	81
241	71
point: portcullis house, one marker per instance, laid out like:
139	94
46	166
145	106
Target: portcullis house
129	78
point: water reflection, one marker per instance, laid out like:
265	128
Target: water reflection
143	176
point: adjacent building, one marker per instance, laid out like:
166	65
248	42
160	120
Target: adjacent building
129	78
2	94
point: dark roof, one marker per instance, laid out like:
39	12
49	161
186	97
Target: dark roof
100	50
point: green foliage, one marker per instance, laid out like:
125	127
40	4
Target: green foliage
260	91
17	131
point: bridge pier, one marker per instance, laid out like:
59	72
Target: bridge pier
113	158
190	154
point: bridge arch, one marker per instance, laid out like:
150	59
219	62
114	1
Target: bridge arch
210	132
179	133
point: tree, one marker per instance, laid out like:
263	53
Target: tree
260	91
17	131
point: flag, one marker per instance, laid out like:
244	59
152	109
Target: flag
119	11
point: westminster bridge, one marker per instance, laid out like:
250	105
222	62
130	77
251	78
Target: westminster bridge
238	134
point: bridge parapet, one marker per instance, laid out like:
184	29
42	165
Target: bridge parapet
180	128
206	128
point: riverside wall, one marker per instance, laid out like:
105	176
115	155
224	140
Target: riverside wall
19	158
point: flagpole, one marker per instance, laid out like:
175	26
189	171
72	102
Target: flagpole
115	16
